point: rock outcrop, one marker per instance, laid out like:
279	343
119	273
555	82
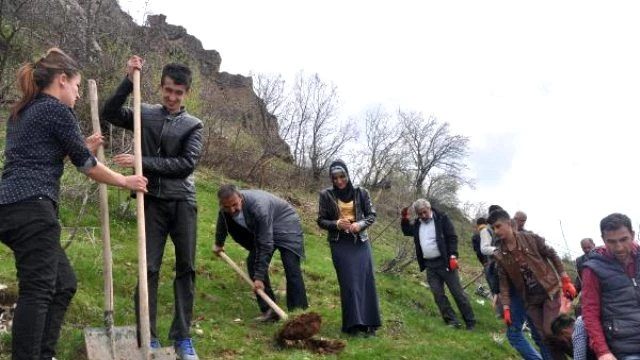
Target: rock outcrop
101	36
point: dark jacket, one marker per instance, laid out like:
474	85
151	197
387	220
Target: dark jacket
542	259
475	242
620	303
271	223
171	144
328	213
37	143
446	237
580	260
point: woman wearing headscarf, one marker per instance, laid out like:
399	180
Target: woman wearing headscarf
346	211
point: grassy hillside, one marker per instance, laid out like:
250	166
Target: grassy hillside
225	305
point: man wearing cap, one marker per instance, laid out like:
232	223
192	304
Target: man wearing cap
436	245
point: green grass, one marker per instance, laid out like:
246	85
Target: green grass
225	305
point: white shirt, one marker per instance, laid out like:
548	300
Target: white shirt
485	242
427	236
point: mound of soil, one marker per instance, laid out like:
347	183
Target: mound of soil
301	327
298	333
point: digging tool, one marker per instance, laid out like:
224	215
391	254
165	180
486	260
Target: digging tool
260	292
473	280
111	342
104	343
143	291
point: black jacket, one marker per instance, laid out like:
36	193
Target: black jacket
580	260
271	223
446	237
475	241
328	213
171	144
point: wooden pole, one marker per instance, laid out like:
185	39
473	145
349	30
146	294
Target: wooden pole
260	293
143	291
107	261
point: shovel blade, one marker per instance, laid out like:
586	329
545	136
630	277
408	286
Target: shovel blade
121	345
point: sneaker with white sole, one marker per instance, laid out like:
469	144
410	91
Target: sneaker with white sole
185	351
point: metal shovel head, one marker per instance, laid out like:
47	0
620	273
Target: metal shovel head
125	344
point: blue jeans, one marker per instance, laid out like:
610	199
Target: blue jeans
631	357
516	336
535	335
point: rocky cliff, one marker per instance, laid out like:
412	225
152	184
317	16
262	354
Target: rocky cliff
101	36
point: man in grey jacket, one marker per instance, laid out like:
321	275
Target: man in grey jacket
261	223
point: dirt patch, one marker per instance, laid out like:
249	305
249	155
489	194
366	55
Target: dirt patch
227	354
317	345
299	333
8	301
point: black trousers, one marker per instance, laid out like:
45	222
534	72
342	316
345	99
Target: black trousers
296	292
46	282
177	219
437	276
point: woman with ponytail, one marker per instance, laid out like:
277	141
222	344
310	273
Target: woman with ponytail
42	131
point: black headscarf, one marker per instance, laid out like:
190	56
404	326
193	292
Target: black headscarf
347	194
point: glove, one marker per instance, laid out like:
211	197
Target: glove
453	263
405	213
567	288
506	315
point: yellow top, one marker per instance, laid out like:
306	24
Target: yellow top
347	210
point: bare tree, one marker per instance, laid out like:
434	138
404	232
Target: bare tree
382	154
301	117
271	89
15	19
327	136
472	211
431	149
314	132
443	187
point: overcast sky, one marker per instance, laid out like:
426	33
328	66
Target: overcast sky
547	91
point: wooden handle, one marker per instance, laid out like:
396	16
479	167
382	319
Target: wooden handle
283	315
107	261
143	291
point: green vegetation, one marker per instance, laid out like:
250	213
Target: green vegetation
225	305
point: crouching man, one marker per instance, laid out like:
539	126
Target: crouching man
261	223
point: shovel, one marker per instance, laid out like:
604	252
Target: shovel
110	342
260	292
